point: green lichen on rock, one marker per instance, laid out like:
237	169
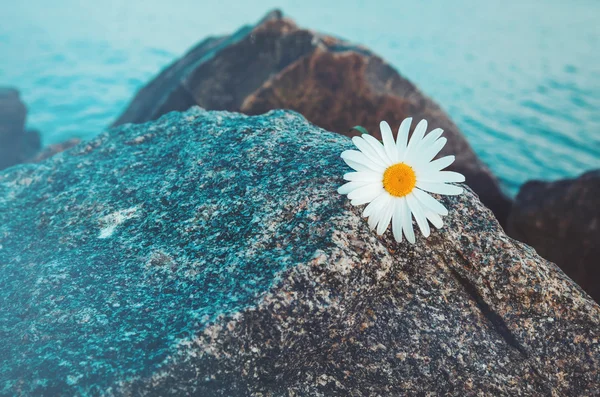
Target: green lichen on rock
208	253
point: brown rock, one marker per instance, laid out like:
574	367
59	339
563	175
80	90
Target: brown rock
561	220
16	144
333	83
51	150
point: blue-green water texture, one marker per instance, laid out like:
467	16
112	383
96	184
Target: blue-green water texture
520	78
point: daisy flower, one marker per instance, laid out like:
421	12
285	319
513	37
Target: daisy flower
394	178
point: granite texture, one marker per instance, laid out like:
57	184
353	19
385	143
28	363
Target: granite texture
208	254
561	220
51	150
16	143
333	83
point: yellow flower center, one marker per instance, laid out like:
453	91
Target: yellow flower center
399	179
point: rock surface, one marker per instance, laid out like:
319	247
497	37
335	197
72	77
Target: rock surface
51	150
16	144
561	220
334	84
208	253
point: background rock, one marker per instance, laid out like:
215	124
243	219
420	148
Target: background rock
16	144
561	220
333	83
208	253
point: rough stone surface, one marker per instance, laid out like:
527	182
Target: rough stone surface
208	253
334	84
51	150
561	220
16	144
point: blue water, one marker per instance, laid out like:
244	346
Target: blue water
520	78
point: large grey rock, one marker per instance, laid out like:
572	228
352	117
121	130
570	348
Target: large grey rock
208	253
16	144
561	220
334	84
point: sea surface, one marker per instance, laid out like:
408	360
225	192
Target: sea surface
520	78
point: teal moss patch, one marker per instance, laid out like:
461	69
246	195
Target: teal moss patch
112	252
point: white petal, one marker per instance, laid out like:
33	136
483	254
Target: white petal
428	153
397	221
365	194
358	157
368	151
378	147
429	202
434	218
407	221
402	138
440	188
375	205
443	176
415	208
377	215
386	217
431	137
357	166
363	176
388	141
439	164
415	139
351	186
374	220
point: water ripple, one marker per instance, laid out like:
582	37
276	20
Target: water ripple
521	81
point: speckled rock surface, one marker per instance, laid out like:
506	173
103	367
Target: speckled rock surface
209	254
51	150
333	83
16	144
561	220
